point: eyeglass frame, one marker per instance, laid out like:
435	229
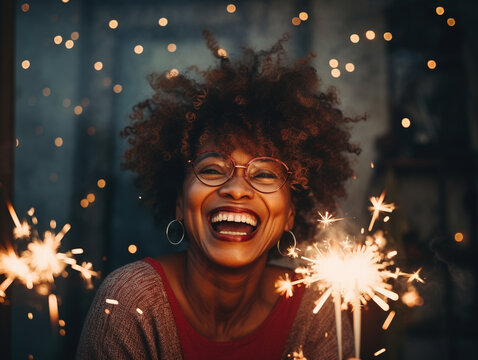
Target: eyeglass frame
245	167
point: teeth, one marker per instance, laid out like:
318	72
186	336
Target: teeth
232	233
234	217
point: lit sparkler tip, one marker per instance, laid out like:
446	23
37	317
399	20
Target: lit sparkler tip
293	252
297	355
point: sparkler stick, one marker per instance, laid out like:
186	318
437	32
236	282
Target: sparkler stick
357	320
338	321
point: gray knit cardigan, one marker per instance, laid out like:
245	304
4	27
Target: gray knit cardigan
131	318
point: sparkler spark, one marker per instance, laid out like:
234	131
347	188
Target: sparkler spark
378	206
41	262
352	273
327	219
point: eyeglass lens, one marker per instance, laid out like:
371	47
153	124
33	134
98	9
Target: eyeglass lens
263	174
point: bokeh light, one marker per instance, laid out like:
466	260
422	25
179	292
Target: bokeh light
58	39
303	16
349	67
172	47
46	91
333	63
78	110
406	122
231	8
431	64
387	36
117	88
163	21
440	10
335	73
75	35
222	52
101	183
69	44
25	7
451	22
132	248
58	142
25	64
459	237
370	34
113	24
91	197
138	49
91	131
295	21
66	102
354	38
84	203
98	65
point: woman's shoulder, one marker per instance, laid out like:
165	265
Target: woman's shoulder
134	283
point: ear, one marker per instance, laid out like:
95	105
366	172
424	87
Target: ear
179	207
290	218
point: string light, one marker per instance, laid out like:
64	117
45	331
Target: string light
163	21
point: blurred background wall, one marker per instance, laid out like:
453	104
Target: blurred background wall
80	66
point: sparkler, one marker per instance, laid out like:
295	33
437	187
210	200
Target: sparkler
352	273
41	262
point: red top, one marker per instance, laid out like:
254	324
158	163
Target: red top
266	342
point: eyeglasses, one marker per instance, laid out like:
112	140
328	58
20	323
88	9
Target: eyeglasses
265	174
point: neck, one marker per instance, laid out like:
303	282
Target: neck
225	298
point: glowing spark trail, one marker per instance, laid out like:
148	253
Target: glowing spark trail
377	206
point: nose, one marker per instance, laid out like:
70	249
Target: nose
237	187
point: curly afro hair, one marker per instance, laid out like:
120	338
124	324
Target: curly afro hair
273	106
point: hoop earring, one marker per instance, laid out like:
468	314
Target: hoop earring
167	232
293	246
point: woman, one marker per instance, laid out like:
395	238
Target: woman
239	161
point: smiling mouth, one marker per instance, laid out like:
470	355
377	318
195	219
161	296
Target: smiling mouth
233	225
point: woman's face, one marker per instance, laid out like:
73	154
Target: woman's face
233	224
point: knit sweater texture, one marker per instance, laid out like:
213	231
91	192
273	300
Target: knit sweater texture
131	318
